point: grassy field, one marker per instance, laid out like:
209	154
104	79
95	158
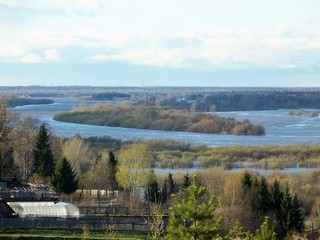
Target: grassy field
40	234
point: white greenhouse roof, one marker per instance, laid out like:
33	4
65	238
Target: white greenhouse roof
44	209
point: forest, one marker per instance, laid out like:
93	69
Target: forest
132	116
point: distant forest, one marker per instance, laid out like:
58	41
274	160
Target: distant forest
194	99
247	100
14	102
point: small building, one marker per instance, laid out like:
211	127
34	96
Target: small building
44	209
4	184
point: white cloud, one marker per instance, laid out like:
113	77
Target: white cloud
97	37
88	5
52	55
217	49
31	58
8	2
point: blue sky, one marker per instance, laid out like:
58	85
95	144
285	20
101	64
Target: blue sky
160	42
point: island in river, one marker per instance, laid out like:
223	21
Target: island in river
141	117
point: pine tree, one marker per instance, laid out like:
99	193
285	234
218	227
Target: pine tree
186	181
64	177
43	160
193	217
264	232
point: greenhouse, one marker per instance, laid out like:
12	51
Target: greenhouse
45	209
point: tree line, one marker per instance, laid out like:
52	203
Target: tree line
243	100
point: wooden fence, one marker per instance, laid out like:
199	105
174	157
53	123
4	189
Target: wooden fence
109	223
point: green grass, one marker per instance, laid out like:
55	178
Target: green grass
41	234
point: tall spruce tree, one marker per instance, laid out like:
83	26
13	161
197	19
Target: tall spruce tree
291	213
43	160
276	198
152	192
113	165
261	202
64	177
297	215
168	188
193	217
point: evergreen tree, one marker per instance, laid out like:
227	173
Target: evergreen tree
43	159
297	216
291	217
193	217
276	198
186	181
168	188
286	217
264	232
113	165
152	193
164	192
261	202
9	167
64	177
171	185
246	181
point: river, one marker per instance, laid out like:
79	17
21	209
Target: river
281	128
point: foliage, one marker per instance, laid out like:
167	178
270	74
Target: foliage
100	175
266	199
156	224
134	167
237	233
43	159
263	157
64	178
77	151
7	122
193	217
23	148
264	232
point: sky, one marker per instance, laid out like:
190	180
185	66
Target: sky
238	43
